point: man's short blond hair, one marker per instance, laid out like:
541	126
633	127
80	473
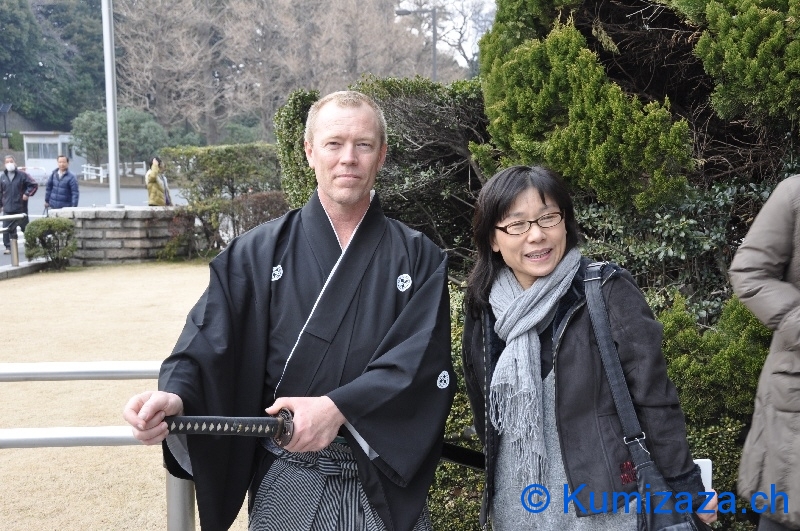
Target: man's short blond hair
344	98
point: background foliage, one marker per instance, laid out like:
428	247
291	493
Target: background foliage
229	189
139	135
51	238
51	61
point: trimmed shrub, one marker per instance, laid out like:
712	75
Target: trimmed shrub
184	237
213	177
53	239
716	373
251	210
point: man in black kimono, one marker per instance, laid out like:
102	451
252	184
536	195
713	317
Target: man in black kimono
336	313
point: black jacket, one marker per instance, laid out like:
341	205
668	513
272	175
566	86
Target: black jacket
587	422
11	192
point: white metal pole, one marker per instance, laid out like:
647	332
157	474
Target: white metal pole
111	101
180	504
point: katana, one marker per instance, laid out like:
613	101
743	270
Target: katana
279	428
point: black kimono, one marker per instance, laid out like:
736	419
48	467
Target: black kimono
377	344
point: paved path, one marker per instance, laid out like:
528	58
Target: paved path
122	312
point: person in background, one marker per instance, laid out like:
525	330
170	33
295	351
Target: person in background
765	275
542	403
16	187
157	186
62	186
336	313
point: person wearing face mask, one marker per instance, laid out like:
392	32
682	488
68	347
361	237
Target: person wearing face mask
16	187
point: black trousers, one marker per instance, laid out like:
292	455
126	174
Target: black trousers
22	223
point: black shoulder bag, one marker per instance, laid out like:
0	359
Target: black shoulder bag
649	479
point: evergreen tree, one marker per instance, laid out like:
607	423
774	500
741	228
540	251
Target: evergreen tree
51	61
19	56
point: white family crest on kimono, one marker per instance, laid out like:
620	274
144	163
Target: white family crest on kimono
443	380
403	282
277	272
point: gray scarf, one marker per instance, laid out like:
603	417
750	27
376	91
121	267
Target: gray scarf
515	395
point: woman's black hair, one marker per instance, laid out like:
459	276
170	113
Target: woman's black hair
160	164
494	201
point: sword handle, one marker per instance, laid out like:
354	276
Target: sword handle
280	427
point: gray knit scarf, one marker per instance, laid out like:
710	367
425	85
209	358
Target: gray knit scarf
515	395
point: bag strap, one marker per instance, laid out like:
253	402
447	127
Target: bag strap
598	314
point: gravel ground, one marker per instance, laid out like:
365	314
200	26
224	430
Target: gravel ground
126	313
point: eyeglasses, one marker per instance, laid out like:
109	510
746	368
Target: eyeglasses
545	222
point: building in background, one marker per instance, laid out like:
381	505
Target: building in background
42	149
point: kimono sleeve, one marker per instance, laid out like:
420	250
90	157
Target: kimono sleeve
399	405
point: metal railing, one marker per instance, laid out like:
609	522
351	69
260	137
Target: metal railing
12	228
180	493
89	171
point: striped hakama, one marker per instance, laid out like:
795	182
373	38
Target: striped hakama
316	491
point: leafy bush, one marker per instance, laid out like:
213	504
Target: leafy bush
213	177
15	141
680	248
716	373
53	239
251	210
184	237
550	102
721	442
290	122
750	50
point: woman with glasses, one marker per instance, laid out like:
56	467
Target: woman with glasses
542	404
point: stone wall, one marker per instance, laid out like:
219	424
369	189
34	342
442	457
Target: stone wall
108	235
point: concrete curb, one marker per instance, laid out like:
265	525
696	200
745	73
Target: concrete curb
24	268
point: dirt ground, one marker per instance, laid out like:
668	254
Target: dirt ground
124	313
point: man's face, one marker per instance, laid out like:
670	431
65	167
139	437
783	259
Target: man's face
346	153
63	164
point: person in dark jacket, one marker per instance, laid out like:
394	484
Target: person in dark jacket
62	186
543	407
16	187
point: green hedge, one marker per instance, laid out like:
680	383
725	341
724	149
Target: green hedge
51	238
222	186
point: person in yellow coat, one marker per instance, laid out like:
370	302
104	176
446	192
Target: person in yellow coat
157	187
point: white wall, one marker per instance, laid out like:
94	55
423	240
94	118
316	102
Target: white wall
42	149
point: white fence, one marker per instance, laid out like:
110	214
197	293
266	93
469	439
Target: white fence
180	493
125	168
